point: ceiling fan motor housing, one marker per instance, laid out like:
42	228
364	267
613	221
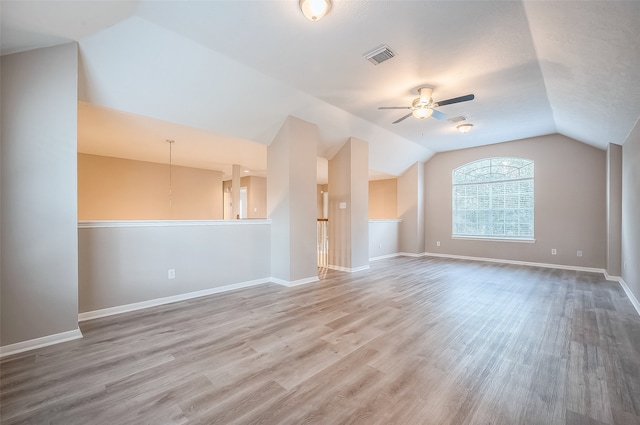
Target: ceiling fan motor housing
425	94
422	105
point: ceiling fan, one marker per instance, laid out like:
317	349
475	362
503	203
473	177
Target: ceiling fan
423	106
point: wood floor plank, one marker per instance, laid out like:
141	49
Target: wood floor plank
410	341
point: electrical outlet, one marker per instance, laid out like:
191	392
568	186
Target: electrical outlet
437	243
171	273
553	251
380	245
579	253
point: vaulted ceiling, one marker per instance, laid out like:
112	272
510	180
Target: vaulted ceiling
218	75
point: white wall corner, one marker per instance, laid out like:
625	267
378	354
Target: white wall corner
632	298
45	341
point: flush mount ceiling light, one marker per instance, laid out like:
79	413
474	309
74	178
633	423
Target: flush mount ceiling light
314	10
464	128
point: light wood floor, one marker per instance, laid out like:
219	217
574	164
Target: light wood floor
411	341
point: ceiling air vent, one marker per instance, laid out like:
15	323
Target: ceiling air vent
379	54
457	119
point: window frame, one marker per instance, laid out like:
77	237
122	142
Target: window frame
489	181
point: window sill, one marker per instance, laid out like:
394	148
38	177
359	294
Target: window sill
490	239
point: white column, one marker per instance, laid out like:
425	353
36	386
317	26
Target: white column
39	290
292	203
411	209
235	191
349	207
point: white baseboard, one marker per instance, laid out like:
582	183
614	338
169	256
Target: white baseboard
347	269
32	344
295	282
625	287
384	257
411	254
518	263
167	300
627	290
630	295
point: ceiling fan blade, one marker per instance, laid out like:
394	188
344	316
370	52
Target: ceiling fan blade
454	100
403	118
438	115
394	107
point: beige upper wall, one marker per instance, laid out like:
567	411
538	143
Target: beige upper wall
570	202
383	199
122	189
256	195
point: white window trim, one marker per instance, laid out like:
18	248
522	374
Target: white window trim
492	239
499	238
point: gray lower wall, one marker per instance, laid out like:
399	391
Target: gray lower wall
631	211
384	237
570	203
125	265
39	288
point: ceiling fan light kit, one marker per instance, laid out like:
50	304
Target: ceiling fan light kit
423	106
464	128
314	10
422	112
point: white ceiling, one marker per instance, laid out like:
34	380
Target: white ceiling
220	77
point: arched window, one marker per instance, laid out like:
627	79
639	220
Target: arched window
493	198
